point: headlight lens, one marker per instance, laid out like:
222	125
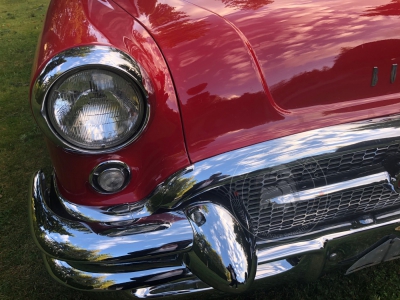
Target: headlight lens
95	109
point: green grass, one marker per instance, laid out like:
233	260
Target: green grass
22	152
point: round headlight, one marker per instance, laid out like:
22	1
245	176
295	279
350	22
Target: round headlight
95	109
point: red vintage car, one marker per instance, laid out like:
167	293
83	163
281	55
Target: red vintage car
203	145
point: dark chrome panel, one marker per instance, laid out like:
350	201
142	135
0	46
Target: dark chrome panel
388	250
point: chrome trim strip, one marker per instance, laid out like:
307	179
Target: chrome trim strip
191	284
374	79
272	268
303	247
187	285
287	250
82	280
393	73
387	215
238	164
160	234
174	276
279	239
382	177
80	58
121	213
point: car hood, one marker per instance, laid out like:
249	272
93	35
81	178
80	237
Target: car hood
247	71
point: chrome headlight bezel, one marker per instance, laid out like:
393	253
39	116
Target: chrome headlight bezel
75	60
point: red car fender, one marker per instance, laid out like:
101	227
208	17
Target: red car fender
160	150
251	71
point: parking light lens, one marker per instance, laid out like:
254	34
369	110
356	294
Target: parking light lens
111	180
110	177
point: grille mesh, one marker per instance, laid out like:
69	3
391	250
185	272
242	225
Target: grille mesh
268	219
305	214
310	168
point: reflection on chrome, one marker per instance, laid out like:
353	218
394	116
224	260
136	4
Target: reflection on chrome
238	164
185	285
382	177
118	213
271	261
191	284
223	253
305	247
65	239
235	165
287	250
273	268
387	215
118	281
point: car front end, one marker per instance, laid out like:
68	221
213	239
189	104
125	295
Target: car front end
167	182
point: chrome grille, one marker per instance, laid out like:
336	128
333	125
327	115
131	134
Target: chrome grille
312	169
305	214
271	219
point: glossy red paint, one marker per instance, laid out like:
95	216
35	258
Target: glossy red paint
251	71
244	72
160	150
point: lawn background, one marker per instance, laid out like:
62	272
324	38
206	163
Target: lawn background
22	152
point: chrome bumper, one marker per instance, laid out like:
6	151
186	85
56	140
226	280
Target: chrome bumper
156	255
142	252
